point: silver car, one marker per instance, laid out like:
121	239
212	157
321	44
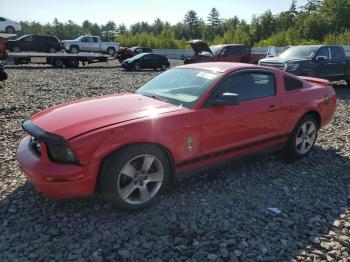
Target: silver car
90	44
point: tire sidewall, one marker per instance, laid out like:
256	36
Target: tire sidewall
110	172
291	148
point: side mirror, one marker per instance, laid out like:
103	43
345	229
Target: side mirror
226	99
320	58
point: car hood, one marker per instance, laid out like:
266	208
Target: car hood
199	46
286	61
78	117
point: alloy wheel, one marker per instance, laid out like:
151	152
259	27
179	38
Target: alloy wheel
140	179
306	137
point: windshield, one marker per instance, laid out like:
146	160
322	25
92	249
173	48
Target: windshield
180	86
216	49
299	52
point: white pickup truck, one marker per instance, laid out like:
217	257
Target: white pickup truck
90	44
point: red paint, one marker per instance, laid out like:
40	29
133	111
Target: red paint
96	127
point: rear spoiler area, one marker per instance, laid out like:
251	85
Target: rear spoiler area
317	81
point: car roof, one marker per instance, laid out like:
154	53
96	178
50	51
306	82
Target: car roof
222	67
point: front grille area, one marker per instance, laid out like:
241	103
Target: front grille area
277	65
35	145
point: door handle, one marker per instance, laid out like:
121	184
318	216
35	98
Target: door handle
272	108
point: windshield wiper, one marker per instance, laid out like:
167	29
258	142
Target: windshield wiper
157	98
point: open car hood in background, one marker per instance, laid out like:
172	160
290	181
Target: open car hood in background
199	46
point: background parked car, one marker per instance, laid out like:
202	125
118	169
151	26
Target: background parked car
221	53
327	62
38	43
9	26
146	60
90	44
125	53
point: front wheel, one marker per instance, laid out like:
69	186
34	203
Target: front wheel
163	67
303	138
135	177
52	50
74	50
137	67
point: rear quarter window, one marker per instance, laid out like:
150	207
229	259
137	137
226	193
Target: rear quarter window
292	83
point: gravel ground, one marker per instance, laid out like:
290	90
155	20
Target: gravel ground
220	216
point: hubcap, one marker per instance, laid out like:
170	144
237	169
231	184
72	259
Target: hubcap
140	179
306	137
110	52
52	50
16	49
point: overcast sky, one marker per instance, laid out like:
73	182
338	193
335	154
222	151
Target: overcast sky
131	11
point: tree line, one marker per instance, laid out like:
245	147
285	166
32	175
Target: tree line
318	21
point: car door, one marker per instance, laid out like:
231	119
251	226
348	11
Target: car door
323	67
338	63
258	117
146	61
85	44
96	46
27	43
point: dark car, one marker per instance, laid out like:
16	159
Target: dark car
146	60
37	43
221	53
125	53
321	61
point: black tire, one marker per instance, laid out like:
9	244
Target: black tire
10	30
3	75
72	63
111	51
52	50
111	176
74	49
291	149
348	83
16	49
58	62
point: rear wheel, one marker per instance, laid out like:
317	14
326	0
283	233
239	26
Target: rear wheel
303	138
57	62
74	49
10	30
73	62
135	177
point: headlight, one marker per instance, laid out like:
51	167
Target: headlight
292	67
61	154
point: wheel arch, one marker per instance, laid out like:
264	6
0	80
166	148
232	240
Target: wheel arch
165	149
315	114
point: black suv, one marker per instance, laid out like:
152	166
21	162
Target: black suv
37	43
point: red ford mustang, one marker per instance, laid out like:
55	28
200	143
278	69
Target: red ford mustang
131	146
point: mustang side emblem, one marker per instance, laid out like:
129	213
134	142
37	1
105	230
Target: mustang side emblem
189	143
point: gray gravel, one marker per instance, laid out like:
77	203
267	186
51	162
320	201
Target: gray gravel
220	216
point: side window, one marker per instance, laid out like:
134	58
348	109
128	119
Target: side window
291	83
147	57
86	40
28	38
249	85
337	53
95	39
323	52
